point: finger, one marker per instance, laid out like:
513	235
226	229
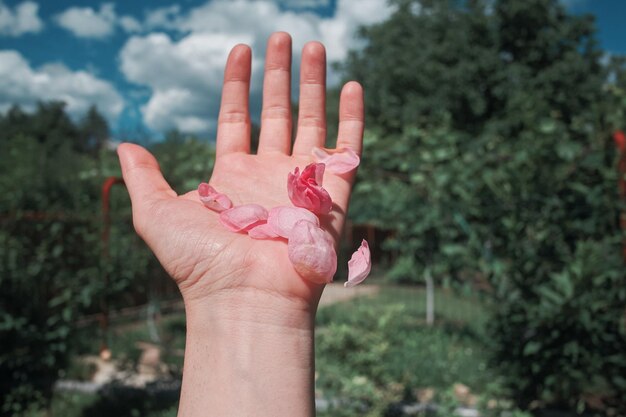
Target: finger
350	133
276	113
142	175
233	124
312	110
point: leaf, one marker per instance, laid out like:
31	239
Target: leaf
531	348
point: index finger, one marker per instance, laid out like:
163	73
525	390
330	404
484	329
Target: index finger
351	117
233	124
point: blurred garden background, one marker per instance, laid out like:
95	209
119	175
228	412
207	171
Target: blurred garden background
491	190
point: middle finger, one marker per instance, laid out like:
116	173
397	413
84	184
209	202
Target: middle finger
312	110
276	114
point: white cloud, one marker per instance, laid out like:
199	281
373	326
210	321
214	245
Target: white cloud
339	32
255	19
24	19
130	24
21	84
86	22
185	75
177	108
162	18
305	4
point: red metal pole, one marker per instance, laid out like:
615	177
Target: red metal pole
105	353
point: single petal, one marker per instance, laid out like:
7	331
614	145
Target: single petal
243	218
305	189
218	203
339	161
312	252
359	265
262	231
204	189
314	173
282	219
212	199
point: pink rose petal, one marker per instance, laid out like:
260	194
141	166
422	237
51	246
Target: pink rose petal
243	218
262	231
359	266
212	199
339	161
282	219
312	253
305	189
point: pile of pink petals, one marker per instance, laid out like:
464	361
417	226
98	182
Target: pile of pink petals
310	248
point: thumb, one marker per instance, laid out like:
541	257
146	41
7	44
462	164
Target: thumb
142	175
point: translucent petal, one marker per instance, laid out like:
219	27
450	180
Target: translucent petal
359	265
339	161
213	199
282	219
262	231
243	218
312	252
305	189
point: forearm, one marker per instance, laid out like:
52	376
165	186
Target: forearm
249	354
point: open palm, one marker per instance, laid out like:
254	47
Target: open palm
197	251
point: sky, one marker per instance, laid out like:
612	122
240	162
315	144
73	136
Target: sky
157	65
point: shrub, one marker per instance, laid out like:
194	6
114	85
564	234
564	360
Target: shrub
374	352
47	267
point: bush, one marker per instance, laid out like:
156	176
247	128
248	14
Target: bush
51	263
564	341
491	159
374	352
47	266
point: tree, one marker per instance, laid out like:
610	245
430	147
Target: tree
428	62
13	123
489	154
93	131
48	261
185	160
50	250
48	124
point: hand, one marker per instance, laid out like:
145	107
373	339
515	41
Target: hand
196	250
250	316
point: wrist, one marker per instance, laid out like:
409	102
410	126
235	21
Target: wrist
229	310
248	352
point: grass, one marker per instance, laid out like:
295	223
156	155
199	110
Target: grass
377	351
370	352
466	310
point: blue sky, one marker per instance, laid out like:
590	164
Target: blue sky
157	65
610	15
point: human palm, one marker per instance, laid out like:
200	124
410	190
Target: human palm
197	251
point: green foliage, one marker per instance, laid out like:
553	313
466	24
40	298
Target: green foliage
93	131
52	263
376	351
490	158
185	160
424	185
569	332
46	265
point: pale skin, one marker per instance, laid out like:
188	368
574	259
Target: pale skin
250	316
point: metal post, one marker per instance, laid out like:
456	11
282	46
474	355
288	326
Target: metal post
105	352
430	298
